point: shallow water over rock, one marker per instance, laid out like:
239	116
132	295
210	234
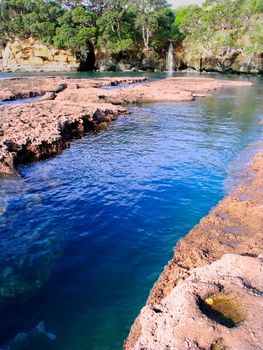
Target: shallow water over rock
84	235
20	100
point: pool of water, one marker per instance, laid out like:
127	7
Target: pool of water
20	100
84	235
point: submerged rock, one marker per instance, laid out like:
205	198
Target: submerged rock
31	339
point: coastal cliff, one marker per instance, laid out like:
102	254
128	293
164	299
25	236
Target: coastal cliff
222	61
31	55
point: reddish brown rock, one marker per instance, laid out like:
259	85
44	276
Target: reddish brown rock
15	88
36	130
70	107
165	90
220	303
234	226
39	130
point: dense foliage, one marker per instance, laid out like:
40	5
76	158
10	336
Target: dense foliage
122	25
117	25
223	26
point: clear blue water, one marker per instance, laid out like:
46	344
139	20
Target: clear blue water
84	235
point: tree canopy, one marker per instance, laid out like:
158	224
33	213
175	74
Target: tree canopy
117	25
223	25
123	25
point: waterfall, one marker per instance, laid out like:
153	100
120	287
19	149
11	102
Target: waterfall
170	59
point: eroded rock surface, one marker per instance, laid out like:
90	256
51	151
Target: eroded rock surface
187	319
39	130
70	107
18	88
234	226
31	55
166	90
235	60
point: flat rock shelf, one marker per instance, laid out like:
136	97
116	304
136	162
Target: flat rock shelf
202	267
69	108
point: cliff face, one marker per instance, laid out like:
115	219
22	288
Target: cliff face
224	61
31	55
134	60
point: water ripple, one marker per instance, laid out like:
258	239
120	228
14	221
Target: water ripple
94	226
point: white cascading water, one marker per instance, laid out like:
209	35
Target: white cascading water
170	59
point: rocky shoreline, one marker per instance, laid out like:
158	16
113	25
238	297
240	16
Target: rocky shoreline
69	108
220	257
40	129
178	311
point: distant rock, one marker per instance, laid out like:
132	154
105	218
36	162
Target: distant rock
31	55
231	61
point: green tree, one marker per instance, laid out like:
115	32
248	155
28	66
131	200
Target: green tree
117	30
147	18
76	31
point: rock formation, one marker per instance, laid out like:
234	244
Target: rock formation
223	61
69	108
31	55
219	306
136	60
234	226
166	90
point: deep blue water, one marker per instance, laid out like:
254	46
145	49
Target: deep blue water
84	235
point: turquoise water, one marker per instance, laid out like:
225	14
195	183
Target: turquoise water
84	235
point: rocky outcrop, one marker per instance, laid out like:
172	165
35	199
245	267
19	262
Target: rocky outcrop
69	108
166	90
133	60
18	88
37	130
40	130
234	226
218	306
32	55
224	61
